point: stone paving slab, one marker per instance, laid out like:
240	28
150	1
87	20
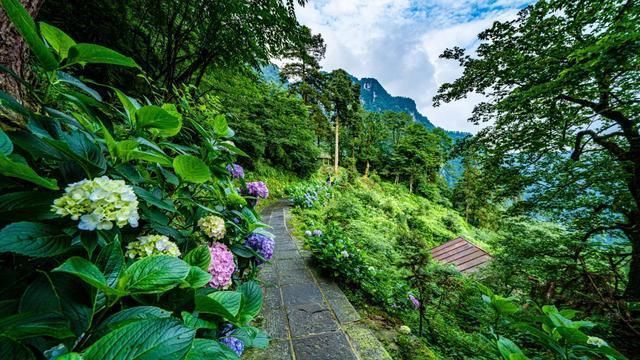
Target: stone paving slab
330	346
310	319
306	315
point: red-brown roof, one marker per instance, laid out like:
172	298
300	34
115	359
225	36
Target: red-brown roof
466	257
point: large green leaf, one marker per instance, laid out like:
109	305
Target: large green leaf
11	168
251	301
58	39
96	54
154	274
210	349
27	325
151	339
200	257
6	146
33	239
509	350
191	169
154	200
251	337
27	205
132	314
111	262
87	272
197	277
155	117
27	28
222	303
59	293
13	350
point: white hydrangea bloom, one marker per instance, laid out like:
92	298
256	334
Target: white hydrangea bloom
99	203
152	245
213	226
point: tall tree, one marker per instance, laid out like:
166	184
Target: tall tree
370	141
419	154
14	52
176	41
562	82
344	101
302	73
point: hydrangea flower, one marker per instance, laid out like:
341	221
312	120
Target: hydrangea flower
257	189
404	329
213	226
307	233
236	171
152	245
262	244
344	253
414	301
234	344
98	204
317	232
221	267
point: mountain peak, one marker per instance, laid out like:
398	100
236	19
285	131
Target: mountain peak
375	97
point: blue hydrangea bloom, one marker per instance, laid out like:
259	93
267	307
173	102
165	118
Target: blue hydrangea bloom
236	171
262	244
234	344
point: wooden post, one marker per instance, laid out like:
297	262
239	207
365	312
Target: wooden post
337	149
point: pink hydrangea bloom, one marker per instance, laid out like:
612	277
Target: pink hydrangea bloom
221	267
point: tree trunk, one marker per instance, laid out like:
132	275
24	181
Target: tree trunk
366	170
632	291
14	52
411	183
337	147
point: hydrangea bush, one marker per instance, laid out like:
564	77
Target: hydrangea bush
124	233
309	194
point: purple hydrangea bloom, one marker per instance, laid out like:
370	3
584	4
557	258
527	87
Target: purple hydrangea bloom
234	344
317	233
236	171
257	189
416	302
262	244
236	220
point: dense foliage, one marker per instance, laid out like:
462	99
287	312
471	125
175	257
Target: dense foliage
375	236
562	84
152	235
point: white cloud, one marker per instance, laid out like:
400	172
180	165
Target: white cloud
398	42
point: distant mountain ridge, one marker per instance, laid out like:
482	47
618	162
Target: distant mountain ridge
374	97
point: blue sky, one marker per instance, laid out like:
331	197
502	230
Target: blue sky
398	42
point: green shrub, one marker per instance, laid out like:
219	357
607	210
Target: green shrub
118	264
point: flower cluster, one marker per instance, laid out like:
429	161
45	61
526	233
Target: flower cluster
257	189
213	226
262	244
316	233
221	267
414	301
309	199
98	203
234	344
236	171
152	245
404	329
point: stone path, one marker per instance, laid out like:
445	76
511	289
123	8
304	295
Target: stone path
307	316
